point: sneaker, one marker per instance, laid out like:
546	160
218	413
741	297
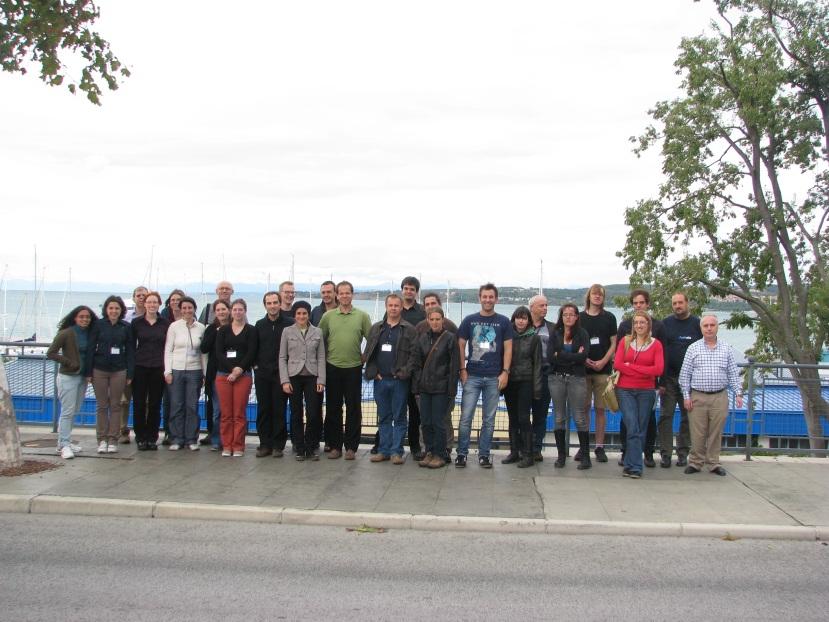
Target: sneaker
484	462
315	455
124	439
215	448
205	440
649	461
66	453
626	472
460	461
102	447
300	457
174	447
226	453
601	456
194	446
112	448
75	448
238	454
395	459
635	475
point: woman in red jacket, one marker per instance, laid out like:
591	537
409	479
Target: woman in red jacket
639	361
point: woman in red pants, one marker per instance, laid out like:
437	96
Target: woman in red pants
236	345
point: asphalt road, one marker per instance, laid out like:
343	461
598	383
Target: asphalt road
87	568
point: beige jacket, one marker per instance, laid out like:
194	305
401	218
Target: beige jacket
296	352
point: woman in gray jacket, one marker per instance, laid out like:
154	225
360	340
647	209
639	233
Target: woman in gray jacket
302	374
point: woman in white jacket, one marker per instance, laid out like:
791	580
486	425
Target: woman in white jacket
302	374
184	367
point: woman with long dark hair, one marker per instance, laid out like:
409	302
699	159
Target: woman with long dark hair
221	312
567	353
69	349
640	361
110	360
149	332
172	310
524	386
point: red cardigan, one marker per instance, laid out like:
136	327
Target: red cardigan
639	370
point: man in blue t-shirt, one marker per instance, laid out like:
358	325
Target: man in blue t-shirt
484	371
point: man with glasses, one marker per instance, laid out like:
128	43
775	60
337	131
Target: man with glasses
224	292
287	293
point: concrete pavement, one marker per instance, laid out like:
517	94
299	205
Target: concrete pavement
769	497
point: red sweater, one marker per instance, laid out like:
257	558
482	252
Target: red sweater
639	370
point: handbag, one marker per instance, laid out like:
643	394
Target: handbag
609	392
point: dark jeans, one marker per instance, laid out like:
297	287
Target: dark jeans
432	415
518	397
670	400
343	385
209	404
650	434
184	400
414	426
270	411
305	435
540	410
147	390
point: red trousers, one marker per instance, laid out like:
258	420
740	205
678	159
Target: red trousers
233	400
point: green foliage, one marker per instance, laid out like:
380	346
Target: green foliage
41	31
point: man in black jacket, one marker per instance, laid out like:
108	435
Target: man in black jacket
271	400
541	406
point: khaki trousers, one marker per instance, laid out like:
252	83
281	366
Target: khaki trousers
108	387
707	420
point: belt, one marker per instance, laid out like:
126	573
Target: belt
709	392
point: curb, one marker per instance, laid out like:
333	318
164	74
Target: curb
89	506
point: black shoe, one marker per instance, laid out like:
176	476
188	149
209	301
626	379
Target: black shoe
141	445
665	462
418	455
690	470
601	456
525	462
635	475
537	457
152	447
373	451
460	462
585	462
649	461
560	462
578	456
166	440
511	458
719	471
625	472
447	457
681	460
261	452
205	440
484	462
326	449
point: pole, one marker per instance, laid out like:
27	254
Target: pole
750	408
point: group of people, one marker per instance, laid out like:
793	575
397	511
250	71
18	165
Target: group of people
162	357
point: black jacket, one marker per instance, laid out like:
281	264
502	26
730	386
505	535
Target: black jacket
526	361
562	362
103	337
403	364
270	335
436	373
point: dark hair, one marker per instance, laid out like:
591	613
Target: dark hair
640	292
240	301
560	321
488	286
410	280
596	287
272	293
173	293
188	299
219	301
331	283
432	295
119	301
301	304
521	311
69	319
343	284
438	310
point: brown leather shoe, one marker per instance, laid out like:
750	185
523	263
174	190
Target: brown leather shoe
426	460
379	458
436	462
263	451
334	454
397	459
350	454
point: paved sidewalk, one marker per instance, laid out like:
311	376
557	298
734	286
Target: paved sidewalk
767	497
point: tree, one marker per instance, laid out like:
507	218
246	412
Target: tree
46	31
744	203
10	455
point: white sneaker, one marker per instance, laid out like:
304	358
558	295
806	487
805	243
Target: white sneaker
66	453
102	447
76	448
194	446
226	453
238	454
174	447
112	448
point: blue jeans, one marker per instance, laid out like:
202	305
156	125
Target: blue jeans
71	393
184	404
636	406
391	396
487	388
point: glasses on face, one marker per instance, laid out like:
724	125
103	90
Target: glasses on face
568	315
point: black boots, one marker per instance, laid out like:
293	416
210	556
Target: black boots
584	448
513	455
561	445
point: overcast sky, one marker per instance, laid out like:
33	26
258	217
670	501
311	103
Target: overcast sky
457	141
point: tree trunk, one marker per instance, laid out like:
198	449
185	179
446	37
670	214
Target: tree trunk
10	455
814	406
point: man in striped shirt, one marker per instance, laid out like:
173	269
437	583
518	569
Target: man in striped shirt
707	371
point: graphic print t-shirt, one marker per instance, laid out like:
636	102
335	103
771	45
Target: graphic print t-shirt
485	337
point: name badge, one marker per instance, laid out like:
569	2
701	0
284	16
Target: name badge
386	347
594	341
115	350
231	354
483	345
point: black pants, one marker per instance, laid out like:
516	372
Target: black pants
650	434
305	434
208	404
540	410
433	415
518	396
270	411
343	384
147	390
